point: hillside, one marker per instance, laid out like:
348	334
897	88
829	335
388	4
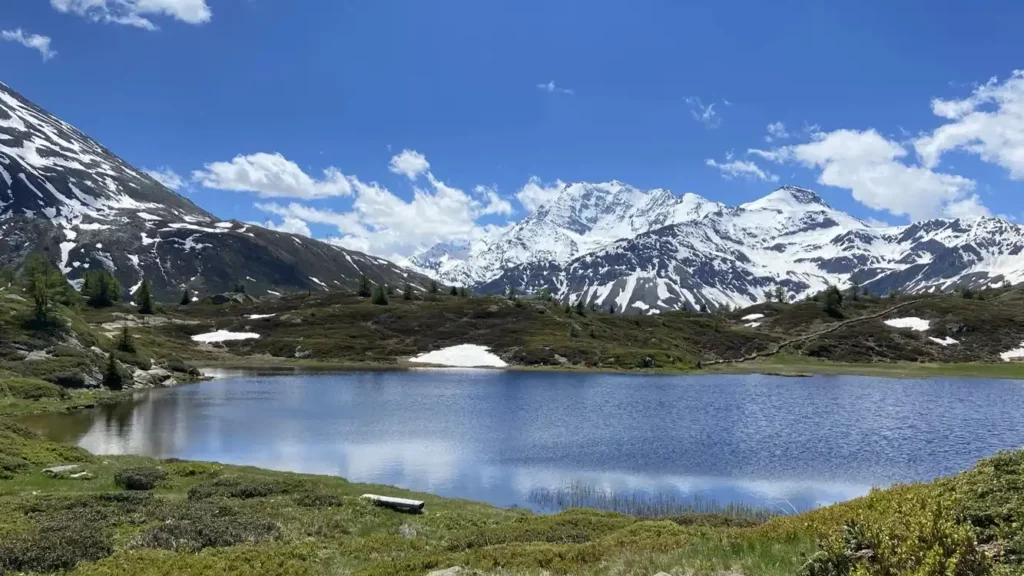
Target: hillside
64	194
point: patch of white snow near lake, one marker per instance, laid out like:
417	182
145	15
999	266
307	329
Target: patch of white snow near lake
752	324
947	341
910	322
223	336
259	316
461	356
1015	354
752	317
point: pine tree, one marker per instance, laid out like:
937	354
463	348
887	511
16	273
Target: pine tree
47	286
240	287
186	297
144	298
780	294
6	277
454	291
545	294
364	286
511	294
407	291
574	331
433	288
768	295
100	288
113	378
581	307
567	309
966	293
464	292
833	300
380	296
126	343
611	308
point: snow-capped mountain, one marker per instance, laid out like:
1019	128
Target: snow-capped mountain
647	252
582	218
63	193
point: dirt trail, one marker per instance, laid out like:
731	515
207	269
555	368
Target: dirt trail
838	326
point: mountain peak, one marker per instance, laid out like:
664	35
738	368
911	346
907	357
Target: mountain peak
788	198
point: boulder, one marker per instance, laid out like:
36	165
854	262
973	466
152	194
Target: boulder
15	297
56	471
36	356
453	571
153	378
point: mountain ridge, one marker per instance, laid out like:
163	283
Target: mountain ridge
64	194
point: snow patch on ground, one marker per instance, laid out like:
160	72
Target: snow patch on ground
752	324
749	317
259	316
947	341
223	336
911	322
461	356
148	216
1015	354
318	281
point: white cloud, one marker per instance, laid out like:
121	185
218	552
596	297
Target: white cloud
536	193
409	163
988	123
167	177
271	175
136	12
555	89
871	167
776	131
33	41
741	169
290	224
706	115
382	223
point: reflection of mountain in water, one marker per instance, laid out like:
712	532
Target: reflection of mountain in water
500	436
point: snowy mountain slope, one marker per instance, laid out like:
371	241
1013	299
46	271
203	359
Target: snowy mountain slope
582	218
63	193
791	238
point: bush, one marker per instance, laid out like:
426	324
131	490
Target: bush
53	548
11	465
139	478
69	380
32	389
380	296
237	487
114	376
177	365
100	288
316	500
207	531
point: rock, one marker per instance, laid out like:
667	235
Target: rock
662	574
493	309
36	355
561	360
56	471
649	362
82	476
540	309
453	571
15	297
152	378
300	353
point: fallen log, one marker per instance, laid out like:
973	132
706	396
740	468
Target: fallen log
400	504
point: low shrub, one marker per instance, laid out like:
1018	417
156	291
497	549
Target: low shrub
11	465
32	389
197	533
183	469
64	351
237	487
53	548
177	365
139	478
316	500
74	380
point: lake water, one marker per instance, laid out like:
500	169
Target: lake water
500	436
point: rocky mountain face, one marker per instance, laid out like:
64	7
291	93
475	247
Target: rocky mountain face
647	252
63	193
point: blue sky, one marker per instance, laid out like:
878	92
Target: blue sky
249	102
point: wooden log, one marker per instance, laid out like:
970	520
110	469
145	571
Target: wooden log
400	504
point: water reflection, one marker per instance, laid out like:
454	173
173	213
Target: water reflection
499	437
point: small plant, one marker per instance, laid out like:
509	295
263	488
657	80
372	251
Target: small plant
139	478
380	296
966	293
144	298
574	330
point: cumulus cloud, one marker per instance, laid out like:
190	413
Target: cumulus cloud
290	225
741	169
706	115
33	41
409	163
873	168
136	13
383	223
988	123
535	193
555	89
271	175
776	131
167	177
